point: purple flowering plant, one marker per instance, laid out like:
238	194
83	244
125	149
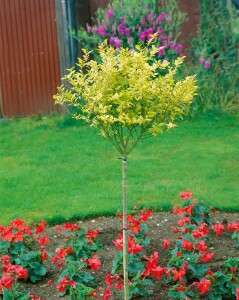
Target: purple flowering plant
131	22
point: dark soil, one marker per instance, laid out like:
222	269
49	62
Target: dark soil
159	229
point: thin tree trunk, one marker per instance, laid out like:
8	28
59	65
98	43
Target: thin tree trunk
125	234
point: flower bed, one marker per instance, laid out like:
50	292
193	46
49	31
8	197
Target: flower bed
179	253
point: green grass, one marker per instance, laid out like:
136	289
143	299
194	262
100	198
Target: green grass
56	170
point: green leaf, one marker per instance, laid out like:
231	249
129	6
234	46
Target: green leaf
7	295
117	263
84	278
4	246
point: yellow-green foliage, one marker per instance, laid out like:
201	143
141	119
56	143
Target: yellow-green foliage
125	96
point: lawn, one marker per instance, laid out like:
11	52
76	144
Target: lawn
56	170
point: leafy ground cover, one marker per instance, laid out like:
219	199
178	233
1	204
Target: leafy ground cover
56	170
189	253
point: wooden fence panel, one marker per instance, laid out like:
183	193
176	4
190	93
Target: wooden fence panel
29	68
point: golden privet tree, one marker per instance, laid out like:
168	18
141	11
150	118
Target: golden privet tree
127	99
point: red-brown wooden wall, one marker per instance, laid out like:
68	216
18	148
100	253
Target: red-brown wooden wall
29	62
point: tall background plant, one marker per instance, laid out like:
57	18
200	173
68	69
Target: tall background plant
128	23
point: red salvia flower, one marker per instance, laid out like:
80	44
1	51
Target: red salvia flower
204	285
165	244
94	263
186	245
186	195
218	228
178	274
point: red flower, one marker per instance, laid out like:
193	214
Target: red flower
70	227
180	287
178	211
233	226
133	247
44	254
6	281
237	291
186	195
18	223
152	262
200	232
204	285
218	228
94	263
178	274
106	295
207	257
73	283
201	246
59	229
34	297
41	227
5	259
183	221
186	245
19	237
188	210
7	235
165	244
145	215
92	234
209	272
44	240
21	272
93	294
108	280
49	282
120	285
63	284
136	226
118	244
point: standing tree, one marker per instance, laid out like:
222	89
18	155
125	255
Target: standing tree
128	96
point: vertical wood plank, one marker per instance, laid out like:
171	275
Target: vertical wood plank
29	68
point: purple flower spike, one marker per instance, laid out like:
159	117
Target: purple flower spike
112	41
160	17
207	64
160	30
109	13
118	43
161	52
101	31
122	20
201	60
127	31
150	16
130	40
142	36
179	48
89	29
143	23
121	29
168	20
172	46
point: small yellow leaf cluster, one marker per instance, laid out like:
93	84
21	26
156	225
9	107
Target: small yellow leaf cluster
126	96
